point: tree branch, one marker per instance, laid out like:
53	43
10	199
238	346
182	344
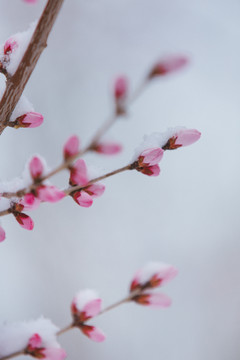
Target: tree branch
17	82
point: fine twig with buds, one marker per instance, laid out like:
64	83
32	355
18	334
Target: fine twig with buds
16	83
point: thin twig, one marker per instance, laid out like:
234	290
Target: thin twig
17	82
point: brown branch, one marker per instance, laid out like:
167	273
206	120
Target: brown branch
68	191
17	82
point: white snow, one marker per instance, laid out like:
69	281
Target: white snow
149	270
156	139
14	337
83	297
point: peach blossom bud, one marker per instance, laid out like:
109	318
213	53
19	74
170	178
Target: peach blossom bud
168	65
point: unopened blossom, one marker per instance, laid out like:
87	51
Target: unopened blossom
147	162
181	138
24	220
48	193
9	46
71	147
149	277
2	234
120	94
78	176
36	349
30	202
168	65
28	120
108	148
85	305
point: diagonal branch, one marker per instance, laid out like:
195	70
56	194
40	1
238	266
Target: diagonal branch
17	82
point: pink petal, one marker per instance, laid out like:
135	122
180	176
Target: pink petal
150	170
30	202
108	148
49	193
71	147
78	173
95	190
35	341
30	119
36	168
25	221
83	199
93	333
153	274
2	234
157	300
120	87
9	46
187	137
54	354
92	308
151	156
168	65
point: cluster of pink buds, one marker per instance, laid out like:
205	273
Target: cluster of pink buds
36	349
85	305
149	277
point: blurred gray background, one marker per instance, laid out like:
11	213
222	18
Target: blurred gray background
189	216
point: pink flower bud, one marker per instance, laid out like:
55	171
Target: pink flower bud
36	168
82	198
120	88
154	300
108	148
30	202
78	173
148	160
24	220
153	275
93	333
71	147
85	305
95	190
30	119
168	65
49	193
2	234
183	137
10	46
36	349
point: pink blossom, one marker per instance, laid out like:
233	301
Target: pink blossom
93	333
49	193
71	147
183	137
36	349
85	305
148	160
30	119
36	168
24	220
9	46
120	87
153	275
154	300
2	234
78	173
30	202
108	148
78	176
168	65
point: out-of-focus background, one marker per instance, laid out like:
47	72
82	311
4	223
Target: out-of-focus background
188	216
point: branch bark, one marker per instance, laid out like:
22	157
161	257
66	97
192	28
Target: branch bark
16	83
